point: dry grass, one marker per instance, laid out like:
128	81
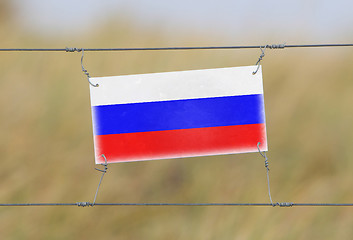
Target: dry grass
47	150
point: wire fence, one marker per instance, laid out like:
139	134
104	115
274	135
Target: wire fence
89	204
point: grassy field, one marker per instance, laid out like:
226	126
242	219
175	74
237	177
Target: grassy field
47	148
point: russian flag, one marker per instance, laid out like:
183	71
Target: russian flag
178	114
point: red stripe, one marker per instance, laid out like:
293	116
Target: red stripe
180	143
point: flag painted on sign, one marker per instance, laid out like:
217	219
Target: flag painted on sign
178	114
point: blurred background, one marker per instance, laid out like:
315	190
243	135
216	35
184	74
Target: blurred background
46	138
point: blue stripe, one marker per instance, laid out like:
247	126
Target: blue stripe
178	114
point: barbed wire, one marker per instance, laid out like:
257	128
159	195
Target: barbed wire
271	46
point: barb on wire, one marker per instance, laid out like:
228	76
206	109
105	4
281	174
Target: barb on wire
263	154
83	69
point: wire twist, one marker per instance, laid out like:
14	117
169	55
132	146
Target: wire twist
83	69
68	49
84	204
285	204
276	46
105	164
263	48
260	59
263	154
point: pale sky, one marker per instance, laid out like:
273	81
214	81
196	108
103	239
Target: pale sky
315	20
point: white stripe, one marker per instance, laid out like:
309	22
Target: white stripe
176	85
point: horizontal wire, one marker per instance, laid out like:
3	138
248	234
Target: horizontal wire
85	204
273	46
35	204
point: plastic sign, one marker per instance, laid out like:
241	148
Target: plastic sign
178	114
